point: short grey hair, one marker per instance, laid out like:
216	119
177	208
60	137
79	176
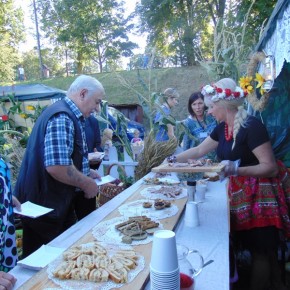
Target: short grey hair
85	82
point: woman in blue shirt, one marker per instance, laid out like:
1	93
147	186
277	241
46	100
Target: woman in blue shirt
164	132
198	123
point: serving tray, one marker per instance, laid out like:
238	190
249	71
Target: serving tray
185	167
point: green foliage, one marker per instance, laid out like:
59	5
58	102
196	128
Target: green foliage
15	105
260	12
31	65
11	33
92	30
127	180
175	27
50	57
37	110
129	87
146	98
9	128
120	131
151	102
222	32
233	42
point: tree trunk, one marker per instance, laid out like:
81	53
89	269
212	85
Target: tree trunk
188	46
80	63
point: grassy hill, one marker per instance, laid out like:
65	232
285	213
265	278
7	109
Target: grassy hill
185	80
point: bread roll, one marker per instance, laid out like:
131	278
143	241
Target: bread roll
101	261
99	275
80	274
127	262
85	261
71	254
128	253
117	272
63	270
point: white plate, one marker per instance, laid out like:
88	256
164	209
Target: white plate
41	257
152	192
106	232
88	285
136	208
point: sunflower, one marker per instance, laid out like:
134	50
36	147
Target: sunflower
260	80
245	84
30	107
24	116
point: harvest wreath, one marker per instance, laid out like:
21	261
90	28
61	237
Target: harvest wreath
247	83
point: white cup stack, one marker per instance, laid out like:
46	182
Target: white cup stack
191	217
164	269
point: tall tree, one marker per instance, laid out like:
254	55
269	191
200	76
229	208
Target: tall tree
92	29
259	14
185	27
50	58
174	26
11	33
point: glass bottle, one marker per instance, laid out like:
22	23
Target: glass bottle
191	187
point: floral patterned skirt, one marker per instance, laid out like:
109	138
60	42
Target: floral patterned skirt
260	202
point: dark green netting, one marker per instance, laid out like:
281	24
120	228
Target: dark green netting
276	116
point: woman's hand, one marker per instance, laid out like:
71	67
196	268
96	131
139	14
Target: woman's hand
7	281
16	203
230	169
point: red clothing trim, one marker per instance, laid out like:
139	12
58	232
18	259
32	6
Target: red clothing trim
260	202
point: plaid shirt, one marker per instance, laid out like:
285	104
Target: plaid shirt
59	139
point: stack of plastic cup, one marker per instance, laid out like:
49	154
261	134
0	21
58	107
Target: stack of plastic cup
164	269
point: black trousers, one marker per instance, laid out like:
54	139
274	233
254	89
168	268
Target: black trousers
84	206
40	231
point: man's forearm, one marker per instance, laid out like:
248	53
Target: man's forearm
69	175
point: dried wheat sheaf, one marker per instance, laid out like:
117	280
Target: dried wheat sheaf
154	154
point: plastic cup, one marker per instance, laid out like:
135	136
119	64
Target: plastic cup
164	253
191	192
191	218
202	184
200	194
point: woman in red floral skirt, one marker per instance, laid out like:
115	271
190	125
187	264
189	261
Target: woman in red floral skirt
259	186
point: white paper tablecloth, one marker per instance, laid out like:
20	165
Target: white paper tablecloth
211	238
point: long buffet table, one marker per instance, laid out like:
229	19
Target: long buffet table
210	238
